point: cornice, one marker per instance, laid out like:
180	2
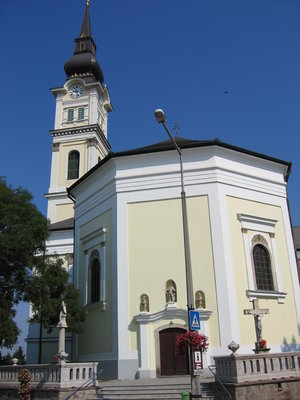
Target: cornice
81	130
169	312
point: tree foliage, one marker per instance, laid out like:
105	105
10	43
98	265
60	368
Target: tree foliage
7	359
23	231
19	354
25	272
47	288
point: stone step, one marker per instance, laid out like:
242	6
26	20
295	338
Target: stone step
167	389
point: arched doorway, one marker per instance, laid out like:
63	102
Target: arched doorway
172	361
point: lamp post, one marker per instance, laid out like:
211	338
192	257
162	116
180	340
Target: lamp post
195	384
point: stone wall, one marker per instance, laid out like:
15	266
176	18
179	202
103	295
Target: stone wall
50	394
279	389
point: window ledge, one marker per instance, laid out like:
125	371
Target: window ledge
266	294
97	305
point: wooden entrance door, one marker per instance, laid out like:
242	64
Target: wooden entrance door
172	361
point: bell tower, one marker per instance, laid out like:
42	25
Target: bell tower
79	137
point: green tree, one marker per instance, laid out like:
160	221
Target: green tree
20	356
47	288
23	231
5	360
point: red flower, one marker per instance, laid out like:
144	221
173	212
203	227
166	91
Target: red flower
262	343
192	339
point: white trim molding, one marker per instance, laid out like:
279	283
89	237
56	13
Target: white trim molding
257	223
265	228
95	241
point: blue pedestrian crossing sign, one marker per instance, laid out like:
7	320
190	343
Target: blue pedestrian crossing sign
194	320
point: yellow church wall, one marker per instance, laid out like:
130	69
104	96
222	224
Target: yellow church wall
282	328
64	211
155	242
97	335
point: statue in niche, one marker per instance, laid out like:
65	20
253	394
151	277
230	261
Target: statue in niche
144	303
171	294
200	299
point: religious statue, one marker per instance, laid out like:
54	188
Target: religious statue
171	293
62	325
144	304
200	299
63	315
258	328
257	313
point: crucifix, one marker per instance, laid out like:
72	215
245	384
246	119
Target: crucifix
257	313
176	127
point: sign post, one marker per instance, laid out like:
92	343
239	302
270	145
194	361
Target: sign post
194	320
198	361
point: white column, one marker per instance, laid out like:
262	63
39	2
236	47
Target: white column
58	111
54	167
85	282
276	265
103	273
91	159
248	260
93	115
143	371
224	271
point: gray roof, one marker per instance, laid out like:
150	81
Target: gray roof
62	225
183	144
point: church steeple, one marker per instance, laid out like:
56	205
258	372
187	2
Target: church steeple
84	62
80	127
86	23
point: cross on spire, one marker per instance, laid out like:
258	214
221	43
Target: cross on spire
257	313
176	127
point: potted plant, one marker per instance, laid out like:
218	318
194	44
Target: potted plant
262	344
24	377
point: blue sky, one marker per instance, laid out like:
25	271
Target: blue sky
179	55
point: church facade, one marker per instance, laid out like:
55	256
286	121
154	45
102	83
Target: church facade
127	256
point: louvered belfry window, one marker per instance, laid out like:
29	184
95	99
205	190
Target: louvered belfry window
263	268
81	113
70	114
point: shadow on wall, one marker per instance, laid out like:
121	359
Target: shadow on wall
293	346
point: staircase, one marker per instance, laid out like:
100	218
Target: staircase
153	389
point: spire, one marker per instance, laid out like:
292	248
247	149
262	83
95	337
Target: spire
86	23
84	61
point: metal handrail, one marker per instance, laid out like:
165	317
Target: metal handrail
210	367
85	384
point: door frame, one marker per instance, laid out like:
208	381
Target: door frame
157	342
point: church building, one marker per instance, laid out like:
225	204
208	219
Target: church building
116	219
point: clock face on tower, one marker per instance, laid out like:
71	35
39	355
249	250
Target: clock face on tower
76	91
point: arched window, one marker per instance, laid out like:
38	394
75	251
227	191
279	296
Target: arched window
95	280
73	165
263	268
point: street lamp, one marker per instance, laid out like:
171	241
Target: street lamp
161	119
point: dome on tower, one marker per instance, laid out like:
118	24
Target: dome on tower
82	64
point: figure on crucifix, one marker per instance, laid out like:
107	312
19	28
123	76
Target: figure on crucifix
257	313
